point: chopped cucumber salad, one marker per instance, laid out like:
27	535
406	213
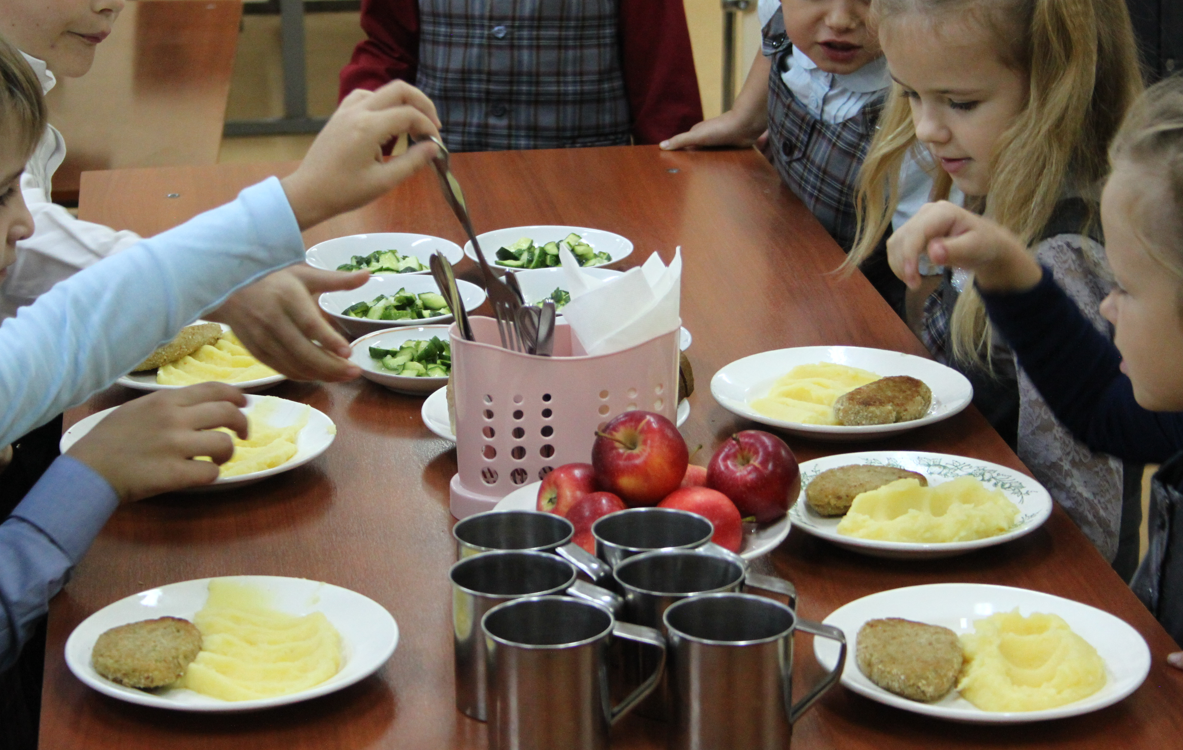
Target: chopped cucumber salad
384	261
402	305
525	254
559	296
416	359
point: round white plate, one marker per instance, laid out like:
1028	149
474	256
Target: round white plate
956	606
334	302
757	540
749	378
392	338
312	441
332	253
435	414
368	637
1035	504
146	381
613	244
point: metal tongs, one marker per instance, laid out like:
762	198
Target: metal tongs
503	299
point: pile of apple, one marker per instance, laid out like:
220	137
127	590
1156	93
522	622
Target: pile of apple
640	459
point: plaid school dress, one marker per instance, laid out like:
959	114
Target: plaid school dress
524	74
819	161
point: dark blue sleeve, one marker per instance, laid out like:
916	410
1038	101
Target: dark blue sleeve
1077	371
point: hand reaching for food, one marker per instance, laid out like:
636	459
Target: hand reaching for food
148	446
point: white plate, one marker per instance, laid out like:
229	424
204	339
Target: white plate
435	414
749	378
146	380
613	244
392	338
312	441
332	253
1035	504
757	541
368	634
334	302
956	606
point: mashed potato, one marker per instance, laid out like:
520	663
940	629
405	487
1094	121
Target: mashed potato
960	510
806	394
1016	663
251	651
226	361
266	446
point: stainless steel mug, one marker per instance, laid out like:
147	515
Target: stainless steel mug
482	582
731	671
653	581
548	673
525	530
625	533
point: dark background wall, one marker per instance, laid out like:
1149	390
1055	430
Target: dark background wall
1158	25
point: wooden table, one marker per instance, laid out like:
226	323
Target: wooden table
156	95
372	513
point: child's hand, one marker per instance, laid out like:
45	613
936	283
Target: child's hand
147	446
344	168
953	236
728	129
1175	659
278	320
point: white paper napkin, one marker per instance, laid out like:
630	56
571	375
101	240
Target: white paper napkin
610	315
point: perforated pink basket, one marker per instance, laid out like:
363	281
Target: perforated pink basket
519	416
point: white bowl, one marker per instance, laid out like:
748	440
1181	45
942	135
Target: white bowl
956	606
392	338
145	380
538	283
737	384
1033	501
332	253
314	439
334	302
613	244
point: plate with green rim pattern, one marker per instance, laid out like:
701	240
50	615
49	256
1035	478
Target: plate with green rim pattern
1033	501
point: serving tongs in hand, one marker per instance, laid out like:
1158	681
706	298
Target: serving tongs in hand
505	303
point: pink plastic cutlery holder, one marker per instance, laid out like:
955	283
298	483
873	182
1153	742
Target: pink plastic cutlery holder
519	416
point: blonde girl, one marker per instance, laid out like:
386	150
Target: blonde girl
1015	102
1124	397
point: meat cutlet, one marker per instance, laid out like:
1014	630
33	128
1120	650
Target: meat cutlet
189	340
898	398
918	661
831	492
146	654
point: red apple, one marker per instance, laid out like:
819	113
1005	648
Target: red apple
641	457
587	511
758	472
565	486
696	476
715	507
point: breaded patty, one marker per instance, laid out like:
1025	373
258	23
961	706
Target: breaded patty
831	492
898	398
918	661
146	654
189	340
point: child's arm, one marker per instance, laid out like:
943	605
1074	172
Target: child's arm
739	126
98	324
142	448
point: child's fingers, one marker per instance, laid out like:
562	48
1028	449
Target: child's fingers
388	124
679	141
400	93
216	445
204	392
209	415
401	167
1175	659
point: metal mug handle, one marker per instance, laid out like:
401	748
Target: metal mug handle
647	637
824	631
590	592
772	585
595	568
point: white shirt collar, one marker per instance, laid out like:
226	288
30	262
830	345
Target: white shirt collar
42	70
870	78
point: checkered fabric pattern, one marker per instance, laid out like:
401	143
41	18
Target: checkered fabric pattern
819	161
524	74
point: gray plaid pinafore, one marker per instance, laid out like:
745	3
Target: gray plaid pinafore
1159	580
524	74
819	161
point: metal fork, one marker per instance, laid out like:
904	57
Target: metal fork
505	303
